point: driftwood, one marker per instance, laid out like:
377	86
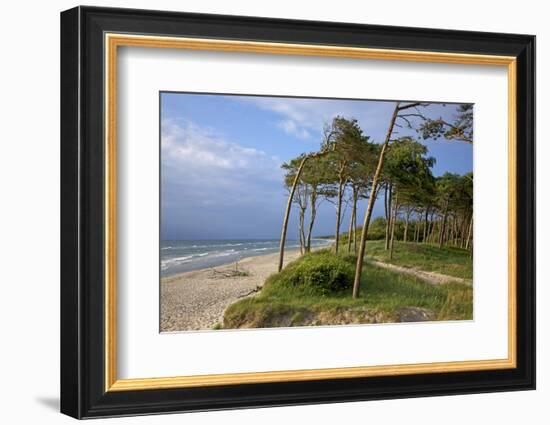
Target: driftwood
228	273
253	291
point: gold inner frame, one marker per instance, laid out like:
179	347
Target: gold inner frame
113	41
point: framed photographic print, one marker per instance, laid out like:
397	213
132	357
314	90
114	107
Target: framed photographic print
261	212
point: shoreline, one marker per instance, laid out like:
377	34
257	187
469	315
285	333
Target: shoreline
226	265
197	299
287	251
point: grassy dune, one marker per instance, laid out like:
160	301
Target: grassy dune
428	257
294	297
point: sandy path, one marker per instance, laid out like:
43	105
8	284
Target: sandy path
433	278
197	299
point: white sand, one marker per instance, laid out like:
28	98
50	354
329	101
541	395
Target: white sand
197	300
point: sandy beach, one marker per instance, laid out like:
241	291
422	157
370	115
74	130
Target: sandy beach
196	300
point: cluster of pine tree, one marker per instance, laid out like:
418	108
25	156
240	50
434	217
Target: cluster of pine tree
349	166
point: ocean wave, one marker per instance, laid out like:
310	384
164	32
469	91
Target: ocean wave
179	260
225	253
213	246
176	260
182	256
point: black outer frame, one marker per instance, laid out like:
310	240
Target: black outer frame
82	219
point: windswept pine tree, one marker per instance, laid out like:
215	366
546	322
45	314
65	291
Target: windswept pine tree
301	194
408	173
312	186
348	167
327	146
459	129
350	151
402	112
361	171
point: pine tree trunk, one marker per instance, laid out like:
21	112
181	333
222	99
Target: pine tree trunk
470	228
352	218
372	198
287	213
456	232
339	212
405	232
387	207
302	231
394	219
355	232
443	225
312	215
431	233
426	223
350	229
463	231
451	231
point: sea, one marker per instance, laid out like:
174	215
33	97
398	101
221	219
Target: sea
183	256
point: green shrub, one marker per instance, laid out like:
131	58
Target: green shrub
321	272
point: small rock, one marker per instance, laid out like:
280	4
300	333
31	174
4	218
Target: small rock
414	314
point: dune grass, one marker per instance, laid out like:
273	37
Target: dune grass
447	260
290	299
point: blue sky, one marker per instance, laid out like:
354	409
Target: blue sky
221	158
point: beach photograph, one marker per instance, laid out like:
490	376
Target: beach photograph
281	212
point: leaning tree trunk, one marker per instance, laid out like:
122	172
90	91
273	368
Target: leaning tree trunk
355	233
352	218
312	215
355	230
370	206
341	185
393	221
468	239
287	213
350	230
406	231
463	230
387	211
302	231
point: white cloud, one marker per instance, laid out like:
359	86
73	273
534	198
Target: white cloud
200	167
189	145
305	118
291	127
300	117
